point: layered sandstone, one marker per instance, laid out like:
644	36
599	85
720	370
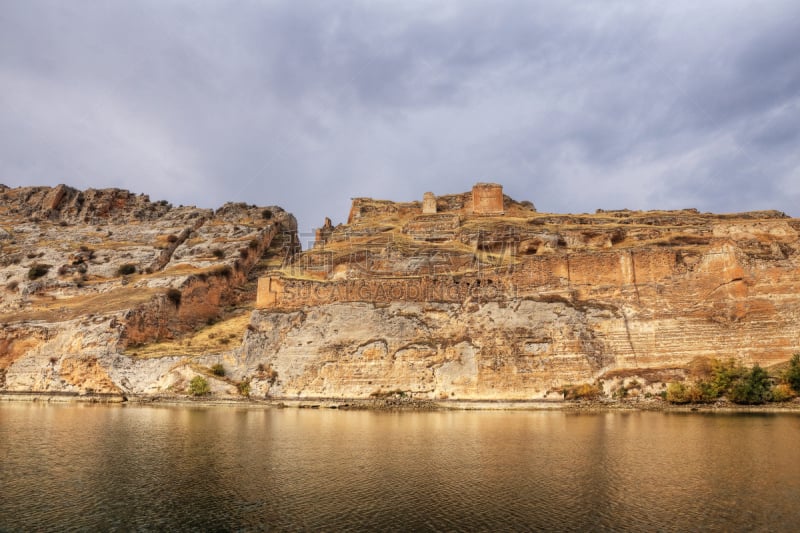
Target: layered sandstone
502	302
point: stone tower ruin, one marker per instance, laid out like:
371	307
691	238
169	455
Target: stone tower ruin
428	203
487	199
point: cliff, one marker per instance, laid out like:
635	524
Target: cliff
89	278
464	296
476	298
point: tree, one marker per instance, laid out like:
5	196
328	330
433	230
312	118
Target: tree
755	387
793	374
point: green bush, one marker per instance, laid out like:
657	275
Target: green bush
792	375
244	388
218	369
38	270
753	388
725	373
698	392
199	386
726	377
126	269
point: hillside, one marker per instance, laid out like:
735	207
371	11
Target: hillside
87	278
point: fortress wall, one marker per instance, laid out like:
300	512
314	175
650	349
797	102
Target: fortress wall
600	269
277	292
653	265
536	274
542	271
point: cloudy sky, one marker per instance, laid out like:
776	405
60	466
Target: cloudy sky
572	105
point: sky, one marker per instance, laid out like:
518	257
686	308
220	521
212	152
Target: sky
574	106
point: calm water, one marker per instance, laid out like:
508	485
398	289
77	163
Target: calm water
224	468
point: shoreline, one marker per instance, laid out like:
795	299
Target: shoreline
402	404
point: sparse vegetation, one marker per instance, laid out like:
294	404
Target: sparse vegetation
38	270
792	376
224	271
198	386
126	269
174	296
218	253
714	379
753	388
266	214
782	392
267	372
388	394
218	369
584	391
244	388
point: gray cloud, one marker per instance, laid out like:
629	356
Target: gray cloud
574	106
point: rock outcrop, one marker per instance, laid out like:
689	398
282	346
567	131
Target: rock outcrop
90	276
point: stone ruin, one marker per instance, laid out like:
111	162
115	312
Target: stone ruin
487	199
428	204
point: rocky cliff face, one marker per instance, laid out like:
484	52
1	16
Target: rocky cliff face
471	296
517	305
87	277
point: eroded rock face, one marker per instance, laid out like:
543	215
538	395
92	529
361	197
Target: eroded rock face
436	350
518	305
596	320
86	275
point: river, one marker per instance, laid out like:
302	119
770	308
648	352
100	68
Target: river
109	467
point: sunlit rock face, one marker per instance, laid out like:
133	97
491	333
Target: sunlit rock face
503	302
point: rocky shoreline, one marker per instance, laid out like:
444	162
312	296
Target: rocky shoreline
404	404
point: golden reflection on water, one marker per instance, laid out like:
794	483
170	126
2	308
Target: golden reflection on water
134	467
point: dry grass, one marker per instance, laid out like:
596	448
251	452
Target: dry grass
218	337
50	309
120	245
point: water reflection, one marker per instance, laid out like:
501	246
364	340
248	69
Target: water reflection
136	467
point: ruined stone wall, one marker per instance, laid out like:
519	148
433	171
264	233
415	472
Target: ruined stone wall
533	276
283	293
487	199
433	227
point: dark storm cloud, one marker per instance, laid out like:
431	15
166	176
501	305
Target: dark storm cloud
573	105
